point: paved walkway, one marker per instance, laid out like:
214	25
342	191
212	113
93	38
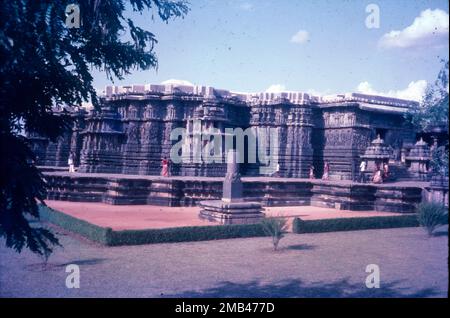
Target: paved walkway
308	265
133	217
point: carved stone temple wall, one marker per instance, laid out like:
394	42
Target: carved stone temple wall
131	132
56	153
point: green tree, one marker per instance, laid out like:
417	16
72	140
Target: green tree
432	114
46	64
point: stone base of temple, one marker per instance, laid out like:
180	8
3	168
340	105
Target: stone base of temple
231	212
268	191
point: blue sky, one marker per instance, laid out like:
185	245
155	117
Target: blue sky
250	45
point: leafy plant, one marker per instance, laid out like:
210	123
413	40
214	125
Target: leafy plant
439	161
431	215
276	227
432	113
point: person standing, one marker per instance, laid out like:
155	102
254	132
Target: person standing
311	172
326	171
165	167
71	162
385	171
362	171
277	171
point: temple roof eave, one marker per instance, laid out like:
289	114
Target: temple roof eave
379	108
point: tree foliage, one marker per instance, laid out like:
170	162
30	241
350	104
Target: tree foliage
45	64
432	114
439	160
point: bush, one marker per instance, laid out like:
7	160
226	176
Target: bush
353	224
185	234
431	215
93	232
275	227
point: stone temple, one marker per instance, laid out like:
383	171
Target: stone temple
118	149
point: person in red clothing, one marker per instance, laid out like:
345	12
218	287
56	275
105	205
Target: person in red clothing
165	167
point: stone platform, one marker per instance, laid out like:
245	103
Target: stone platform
140	217
119	189
230	212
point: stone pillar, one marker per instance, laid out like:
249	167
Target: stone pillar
151	138
102	142
231	209
232	185
298	147
131	148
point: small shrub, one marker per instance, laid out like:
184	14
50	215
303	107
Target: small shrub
431	215
353	224
276	227
184	234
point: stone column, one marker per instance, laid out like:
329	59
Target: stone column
232	185
102	142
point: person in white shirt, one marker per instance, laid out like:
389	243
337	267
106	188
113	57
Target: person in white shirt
311	172
277	171
71	162
362	170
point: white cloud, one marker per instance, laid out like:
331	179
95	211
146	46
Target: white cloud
276	88
414	91
315	92
430	28
300	37
366	88
177	82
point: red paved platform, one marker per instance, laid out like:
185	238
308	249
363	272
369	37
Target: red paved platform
133	217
